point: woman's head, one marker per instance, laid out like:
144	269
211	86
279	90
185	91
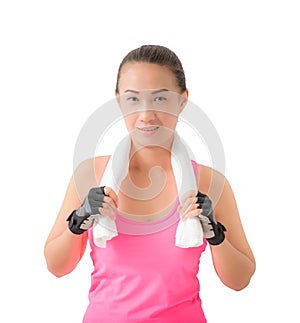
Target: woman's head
155	55
151	92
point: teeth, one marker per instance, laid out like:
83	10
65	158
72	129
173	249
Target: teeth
148	129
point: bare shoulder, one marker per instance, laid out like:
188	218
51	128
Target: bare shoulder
214	184
211	182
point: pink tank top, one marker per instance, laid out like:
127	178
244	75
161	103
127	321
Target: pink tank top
142	277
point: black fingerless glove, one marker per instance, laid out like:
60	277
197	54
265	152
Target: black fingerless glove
213	231
82	219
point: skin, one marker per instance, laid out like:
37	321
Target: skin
233	259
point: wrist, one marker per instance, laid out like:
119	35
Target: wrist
74	223
219	236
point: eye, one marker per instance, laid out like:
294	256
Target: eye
132	99
160	99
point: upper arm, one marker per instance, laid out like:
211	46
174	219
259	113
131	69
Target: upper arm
87	175
217	187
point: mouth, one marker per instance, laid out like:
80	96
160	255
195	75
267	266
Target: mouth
148	131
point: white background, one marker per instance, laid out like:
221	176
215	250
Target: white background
58	64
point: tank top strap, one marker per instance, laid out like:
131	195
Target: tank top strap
195	168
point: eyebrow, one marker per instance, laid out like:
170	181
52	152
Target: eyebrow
154	92
161	90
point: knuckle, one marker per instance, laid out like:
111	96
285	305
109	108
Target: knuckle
92	190
107	199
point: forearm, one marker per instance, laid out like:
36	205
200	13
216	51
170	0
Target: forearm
64	252
233	267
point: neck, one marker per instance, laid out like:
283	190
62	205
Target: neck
146	157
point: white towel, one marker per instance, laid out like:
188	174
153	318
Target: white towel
189	233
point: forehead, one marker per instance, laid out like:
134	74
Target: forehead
143	76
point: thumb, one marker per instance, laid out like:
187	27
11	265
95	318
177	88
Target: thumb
112	194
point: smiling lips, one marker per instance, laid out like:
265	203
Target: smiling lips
148	131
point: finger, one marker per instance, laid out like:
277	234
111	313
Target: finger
188	194
112	194
188	204
108	202
107	212
192	214
107	205
194	206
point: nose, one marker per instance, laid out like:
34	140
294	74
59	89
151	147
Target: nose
147	113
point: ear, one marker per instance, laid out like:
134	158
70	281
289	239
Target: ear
183	100
117	95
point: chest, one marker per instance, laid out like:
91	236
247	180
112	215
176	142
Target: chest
149	197
154	252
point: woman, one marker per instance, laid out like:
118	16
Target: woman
146	278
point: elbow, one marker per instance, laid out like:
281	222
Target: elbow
242	282
53	270
58	275
237	285
240	286
56	268
57	272
51	266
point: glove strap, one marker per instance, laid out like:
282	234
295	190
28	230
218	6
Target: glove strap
219	237
75	223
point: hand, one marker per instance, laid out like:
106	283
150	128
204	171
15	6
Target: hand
201	206
100	200
213	231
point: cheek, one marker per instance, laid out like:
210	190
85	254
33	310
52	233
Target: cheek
130	121
168	120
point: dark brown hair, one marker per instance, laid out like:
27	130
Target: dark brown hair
156	54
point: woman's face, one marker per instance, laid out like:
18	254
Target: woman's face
150	100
